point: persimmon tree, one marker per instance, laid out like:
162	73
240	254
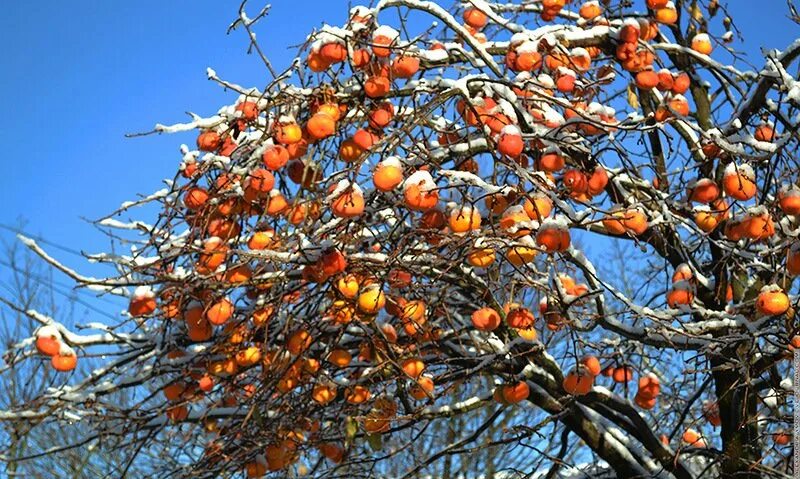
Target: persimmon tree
577	220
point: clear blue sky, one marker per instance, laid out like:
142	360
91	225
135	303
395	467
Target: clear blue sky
76	76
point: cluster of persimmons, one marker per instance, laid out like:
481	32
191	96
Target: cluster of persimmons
313	273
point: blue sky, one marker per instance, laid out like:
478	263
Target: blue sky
77	76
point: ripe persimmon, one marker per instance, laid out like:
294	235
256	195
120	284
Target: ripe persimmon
590	10
261	240
276	204
525	61
680	294
598	180
248	356
320	125
578	382
422	388
515	392
693	438
209	140
705	219
520	318
413	367
667	15
333	261
238	274
629	33
348	286
175	391
377	86
475	18
223	368
304	173
48	341
371	299
332	452
679	105
280	455
299	341
772	301
647	79
485	319
361	58
316	62
683	272
143	302
519	255
644	402
255	469
497	203
195	198
260	180
649	386
333	52
382	40
681	83
288	133
357	394
575	182
350	151
420	192
330	108
414	311
734	230
340	357
197	326
591	364
348	204
711	413
381	115
634	221
510	141
405	66
738	181
365	138
765	132
464	219
789	200
65	360
248	109
782	438
758	224
481	257
703	190
219	312
552	160
206	383
622	374
298	149
538	207
553	236
701	43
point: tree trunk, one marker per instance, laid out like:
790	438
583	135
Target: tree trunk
739	429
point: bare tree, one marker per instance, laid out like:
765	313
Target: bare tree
32	449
